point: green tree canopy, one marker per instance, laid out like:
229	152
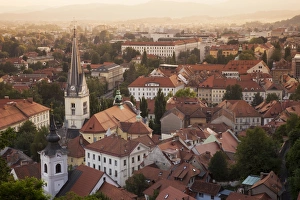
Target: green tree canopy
296	96
218	166
186	92
39	143
293	157
144	60
159	110
136	184
257	153
28	188
144	107
257	99
271	97
233	92
25	137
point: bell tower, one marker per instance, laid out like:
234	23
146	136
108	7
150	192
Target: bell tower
54	162
77	96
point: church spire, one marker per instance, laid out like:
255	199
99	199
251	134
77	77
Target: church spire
52	138
76	78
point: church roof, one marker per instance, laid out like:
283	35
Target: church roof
81	181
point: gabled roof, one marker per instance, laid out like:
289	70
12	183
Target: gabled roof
116	193
153	174
184	172
173	193
171	82
212	148
138	128
164	183
28	170
272	182
113	145
240	107
146	140
109	118
81	181
240	196
13	111
206	188
76	146
242	66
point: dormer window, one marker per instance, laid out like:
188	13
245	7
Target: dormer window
45	168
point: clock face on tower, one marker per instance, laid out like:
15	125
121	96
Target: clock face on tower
72	88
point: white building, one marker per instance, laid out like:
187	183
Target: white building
163	48
116	157
149	86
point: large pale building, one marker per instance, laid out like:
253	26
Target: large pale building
14	112
296	66
164	48
77	104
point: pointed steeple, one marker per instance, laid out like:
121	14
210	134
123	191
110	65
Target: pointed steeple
76	78
52	139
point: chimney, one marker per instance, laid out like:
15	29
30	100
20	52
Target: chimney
30	99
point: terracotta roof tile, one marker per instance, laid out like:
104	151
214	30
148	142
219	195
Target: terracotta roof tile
207	188
173	193
113	145
76	146
272	182
171	82
28	170
153	174
164	183
115	193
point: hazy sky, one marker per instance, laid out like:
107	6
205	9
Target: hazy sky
67	2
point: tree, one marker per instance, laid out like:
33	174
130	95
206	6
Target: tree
39	143
28	188
233	92
132	99
6	138
257	100
94	104
186	92
218	166
271	97
256	41
293	157
233	42
294	182
144	107
95	58
136	184
144	60
74	196
192	59
287	54
256	153
159	106
25	137
264	57
296	96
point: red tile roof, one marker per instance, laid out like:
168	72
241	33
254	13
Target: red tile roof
115	193
239	196
240	107
28	170
171	81
76	146
173	193
206	188
113	145
87	180
272	182
135	128
164	183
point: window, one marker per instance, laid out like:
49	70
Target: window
98	158
132	160
88	163
93	156
73	108
109	161
116	173
58	168
104	159
124	162
45	168
99	167
88	155
84	107
139	158
94	166
105	169
212	197
110	172
116	163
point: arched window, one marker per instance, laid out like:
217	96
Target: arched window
45	168
58	168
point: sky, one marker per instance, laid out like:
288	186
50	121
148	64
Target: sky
58	3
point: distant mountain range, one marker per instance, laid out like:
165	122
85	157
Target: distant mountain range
265	10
